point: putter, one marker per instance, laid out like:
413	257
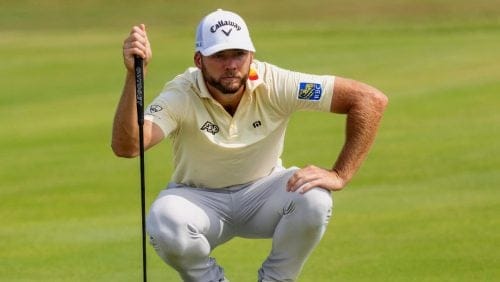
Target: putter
139	94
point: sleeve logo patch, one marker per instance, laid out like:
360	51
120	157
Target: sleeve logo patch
155	108
310	91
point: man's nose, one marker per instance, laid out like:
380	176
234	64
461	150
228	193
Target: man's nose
231	62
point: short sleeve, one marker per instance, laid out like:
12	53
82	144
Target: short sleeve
162	112
296	91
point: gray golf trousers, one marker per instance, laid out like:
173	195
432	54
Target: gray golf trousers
185	224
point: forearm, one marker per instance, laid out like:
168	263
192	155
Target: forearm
361	128
125	135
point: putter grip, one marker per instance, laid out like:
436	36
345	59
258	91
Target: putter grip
139	93
139	88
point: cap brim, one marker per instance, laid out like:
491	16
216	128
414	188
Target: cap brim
226	46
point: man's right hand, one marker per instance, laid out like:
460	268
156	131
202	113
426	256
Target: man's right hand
136	43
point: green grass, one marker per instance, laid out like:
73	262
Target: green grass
424	207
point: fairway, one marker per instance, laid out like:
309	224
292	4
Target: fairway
424	206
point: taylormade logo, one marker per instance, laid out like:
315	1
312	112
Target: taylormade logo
222	23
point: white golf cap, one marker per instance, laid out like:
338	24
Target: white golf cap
222	30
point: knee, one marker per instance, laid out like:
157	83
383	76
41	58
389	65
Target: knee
161	221
315	206
174	232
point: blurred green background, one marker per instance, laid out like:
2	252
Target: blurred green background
424	207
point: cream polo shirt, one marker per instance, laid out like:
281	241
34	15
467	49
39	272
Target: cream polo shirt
213	149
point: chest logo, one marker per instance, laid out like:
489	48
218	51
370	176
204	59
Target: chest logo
210	127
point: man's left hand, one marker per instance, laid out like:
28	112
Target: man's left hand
311	177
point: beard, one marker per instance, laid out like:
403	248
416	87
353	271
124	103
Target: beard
229	87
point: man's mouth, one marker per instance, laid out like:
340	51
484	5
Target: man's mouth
230	78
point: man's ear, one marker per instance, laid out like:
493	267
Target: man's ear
197	59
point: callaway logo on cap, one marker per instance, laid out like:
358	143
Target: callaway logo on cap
222	30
